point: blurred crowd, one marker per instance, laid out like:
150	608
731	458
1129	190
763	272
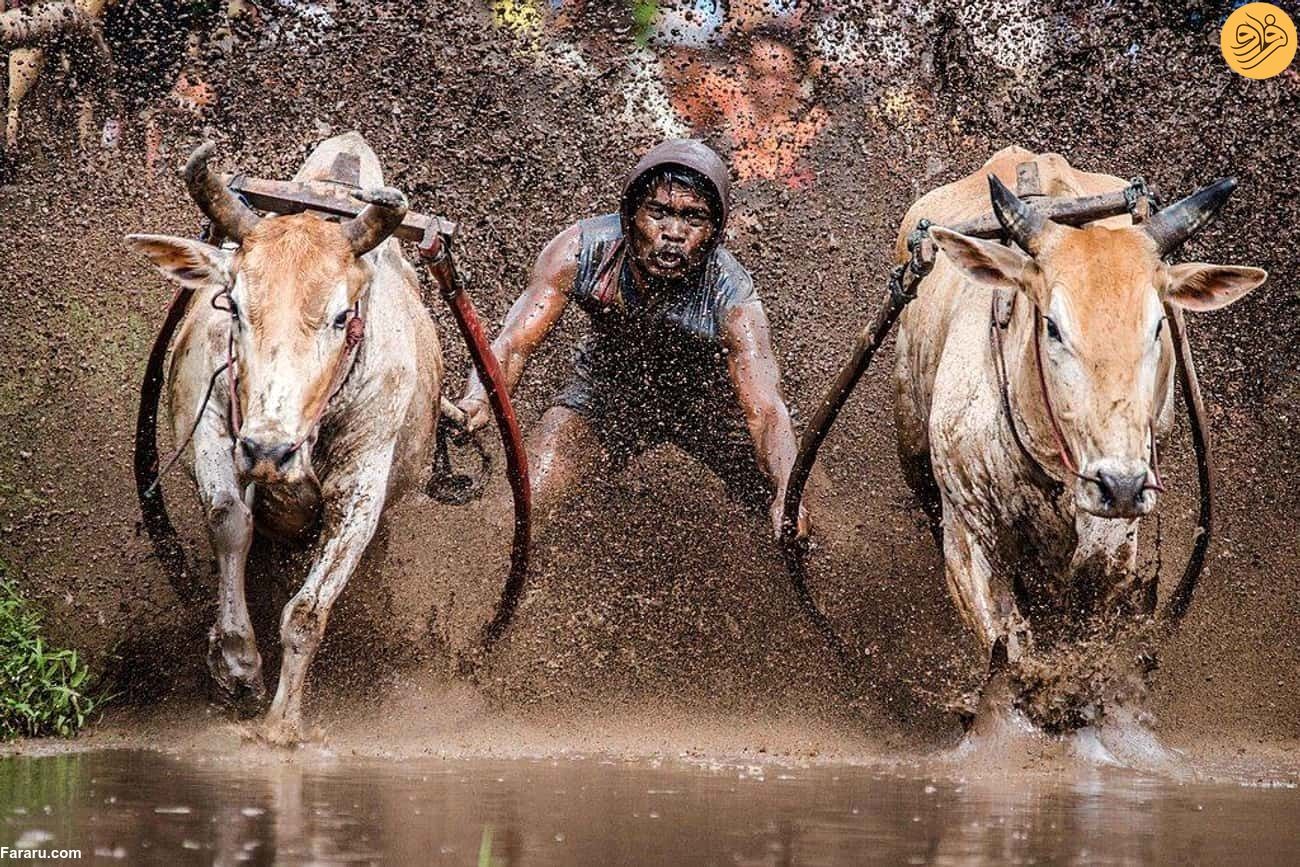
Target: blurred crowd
754	78
743	74
132	66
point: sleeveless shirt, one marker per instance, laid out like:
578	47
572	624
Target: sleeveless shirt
652	353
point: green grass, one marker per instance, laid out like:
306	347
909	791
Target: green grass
43	690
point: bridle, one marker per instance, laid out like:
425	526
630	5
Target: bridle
356	331
997	325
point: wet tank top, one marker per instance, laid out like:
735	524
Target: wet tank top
666	350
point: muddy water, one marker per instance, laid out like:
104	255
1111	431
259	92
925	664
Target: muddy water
148	807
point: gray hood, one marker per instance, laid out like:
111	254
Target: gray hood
687	153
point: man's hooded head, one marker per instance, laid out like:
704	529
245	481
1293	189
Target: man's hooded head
674	206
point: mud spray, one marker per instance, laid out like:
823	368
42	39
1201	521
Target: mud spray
654	597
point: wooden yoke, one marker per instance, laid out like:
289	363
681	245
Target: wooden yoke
327	199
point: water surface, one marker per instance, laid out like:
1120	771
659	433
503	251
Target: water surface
139	807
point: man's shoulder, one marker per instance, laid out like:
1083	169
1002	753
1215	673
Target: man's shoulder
604	227
595	239
733	282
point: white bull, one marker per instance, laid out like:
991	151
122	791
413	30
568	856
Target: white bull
338	371
1039	537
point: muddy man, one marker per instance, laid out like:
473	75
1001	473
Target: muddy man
679	349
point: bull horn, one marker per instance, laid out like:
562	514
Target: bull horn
1173	225
229	216
1018	220
385	210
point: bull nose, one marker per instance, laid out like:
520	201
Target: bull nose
275	454
1122	492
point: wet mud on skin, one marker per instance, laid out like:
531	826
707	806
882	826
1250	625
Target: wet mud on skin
654	598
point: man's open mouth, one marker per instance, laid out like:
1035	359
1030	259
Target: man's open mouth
669	259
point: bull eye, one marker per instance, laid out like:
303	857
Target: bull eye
1052	330
341	321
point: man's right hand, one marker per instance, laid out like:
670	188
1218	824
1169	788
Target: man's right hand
478	411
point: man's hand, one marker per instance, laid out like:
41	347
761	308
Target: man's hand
477	410
802	525
757	380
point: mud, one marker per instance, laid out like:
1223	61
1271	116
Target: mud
656	597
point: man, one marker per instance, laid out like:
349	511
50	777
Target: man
679	350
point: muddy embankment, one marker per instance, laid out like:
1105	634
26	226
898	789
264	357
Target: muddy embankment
655	593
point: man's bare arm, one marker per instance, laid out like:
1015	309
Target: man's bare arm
757	380
529	321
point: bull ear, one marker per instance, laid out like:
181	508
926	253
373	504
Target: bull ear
192	264
985	262
1199	287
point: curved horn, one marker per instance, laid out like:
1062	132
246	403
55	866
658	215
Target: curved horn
385	210
1019	220
1173	225
228	214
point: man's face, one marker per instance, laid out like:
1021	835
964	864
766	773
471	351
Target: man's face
671	230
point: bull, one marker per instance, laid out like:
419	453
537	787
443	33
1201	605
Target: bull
1033	382
333	376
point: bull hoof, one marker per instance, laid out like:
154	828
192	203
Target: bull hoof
1125	740
996	726
236	666
279	733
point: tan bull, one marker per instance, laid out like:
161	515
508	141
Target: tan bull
1038	493
337	377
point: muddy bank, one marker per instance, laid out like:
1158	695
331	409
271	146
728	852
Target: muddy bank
659	593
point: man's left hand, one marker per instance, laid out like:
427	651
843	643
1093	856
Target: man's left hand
803	525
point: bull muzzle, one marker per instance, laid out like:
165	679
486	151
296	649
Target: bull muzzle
1117	488
267	459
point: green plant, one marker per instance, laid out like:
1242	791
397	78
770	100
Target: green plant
643	14
43	690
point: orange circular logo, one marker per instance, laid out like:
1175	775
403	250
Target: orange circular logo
1258	40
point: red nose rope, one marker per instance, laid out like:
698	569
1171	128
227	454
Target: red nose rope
1063	450
354	332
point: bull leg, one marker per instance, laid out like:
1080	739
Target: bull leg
24	66
1002	633
353	510
970	582
233	659
969	576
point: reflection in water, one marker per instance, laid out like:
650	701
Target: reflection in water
143	807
